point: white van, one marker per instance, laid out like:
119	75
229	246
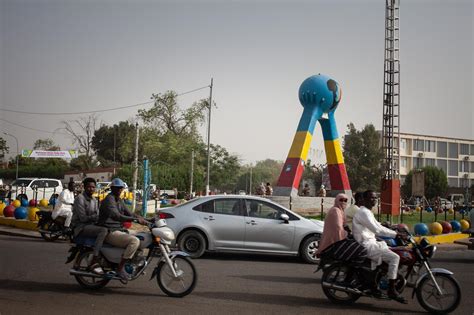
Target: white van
27	187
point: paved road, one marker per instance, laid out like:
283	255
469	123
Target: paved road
35	280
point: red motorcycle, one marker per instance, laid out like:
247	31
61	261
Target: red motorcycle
437	291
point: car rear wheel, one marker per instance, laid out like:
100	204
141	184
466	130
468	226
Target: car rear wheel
308	249
193	243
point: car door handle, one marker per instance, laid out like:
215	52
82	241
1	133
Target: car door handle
252	222
210	218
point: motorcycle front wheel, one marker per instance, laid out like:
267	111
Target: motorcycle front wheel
336	275
180	285
46	233
82	264
435	303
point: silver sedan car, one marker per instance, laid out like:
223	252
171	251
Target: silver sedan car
237	223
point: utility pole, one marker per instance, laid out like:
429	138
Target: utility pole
209	139
192	175
135	170
250	182
114	150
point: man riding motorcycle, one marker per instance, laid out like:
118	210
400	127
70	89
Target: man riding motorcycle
365	228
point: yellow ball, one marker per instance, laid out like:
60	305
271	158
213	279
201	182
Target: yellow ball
464	225
2	206
32	213
418	209
436	228
44	203
16	203
451	211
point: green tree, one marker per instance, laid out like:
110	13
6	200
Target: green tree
45	144
436	182
3	148
363	157
266	171
108	143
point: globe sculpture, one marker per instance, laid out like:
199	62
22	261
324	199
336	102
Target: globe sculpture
446	227
436	228
20	213
464	225
455	225
16	203
32	213
421	229
9	211
320	95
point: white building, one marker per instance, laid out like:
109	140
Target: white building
454	156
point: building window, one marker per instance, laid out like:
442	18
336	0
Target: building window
430	146
464	166
453	182
472	167
403	162
472	149
464	148
442	164
453	168
453	150
403	144
418	145
442	150
429	162
417	162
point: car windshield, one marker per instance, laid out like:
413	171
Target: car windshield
21	182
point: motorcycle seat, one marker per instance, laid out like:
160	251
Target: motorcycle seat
85	241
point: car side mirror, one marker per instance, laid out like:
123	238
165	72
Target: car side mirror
285	217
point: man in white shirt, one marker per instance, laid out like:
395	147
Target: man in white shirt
63	206
365	227
350	211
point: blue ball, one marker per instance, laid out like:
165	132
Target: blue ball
429	209
421	229
20	213
455	225
128	202
52	202
24	202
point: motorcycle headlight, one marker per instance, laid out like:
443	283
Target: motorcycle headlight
429	251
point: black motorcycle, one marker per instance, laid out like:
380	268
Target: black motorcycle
52	229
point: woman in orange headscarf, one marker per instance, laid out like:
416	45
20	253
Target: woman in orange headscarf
334	223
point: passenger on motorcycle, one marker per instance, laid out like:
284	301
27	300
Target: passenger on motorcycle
63	206
85	216
112	214
365	228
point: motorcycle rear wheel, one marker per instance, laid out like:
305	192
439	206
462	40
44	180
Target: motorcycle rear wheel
48	235
82	264
428	297
336	274
181	285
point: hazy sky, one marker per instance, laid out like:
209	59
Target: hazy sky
70	56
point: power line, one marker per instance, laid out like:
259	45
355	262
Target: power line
91	112
18	125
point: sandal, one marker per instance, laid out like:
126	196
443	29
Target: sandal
97	269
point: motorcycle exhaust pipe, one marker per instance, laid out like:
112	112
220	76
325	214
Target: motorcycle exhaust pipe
75	272
340	288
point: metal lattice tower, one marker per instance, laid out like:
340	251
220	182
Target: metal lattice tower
391	101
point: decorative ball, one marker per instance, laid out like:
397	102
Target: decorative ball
320	91
16	203
174	201
447	228
20	213
24	202
43	203
164	202
403	227
128	202
429	209
33	203
32	213
436	228
9	211
52	201
2	206
418	209
451	211
440	211
464	225
455	225
421	229
127	225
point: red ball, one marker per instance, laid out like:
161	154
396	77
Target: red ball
127	225
446	227
403	227
9	211
33	203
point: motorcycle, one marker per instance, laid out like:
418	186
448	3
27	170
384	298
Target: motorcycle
437	291
175	272
52	229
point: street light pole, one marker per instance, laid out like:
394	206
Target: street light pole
17	151
209	139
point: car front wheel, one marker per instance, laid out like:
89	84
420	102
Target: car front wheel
309	248
193	243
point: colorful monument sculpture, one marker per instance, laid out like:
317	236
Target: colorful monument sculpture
320	96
